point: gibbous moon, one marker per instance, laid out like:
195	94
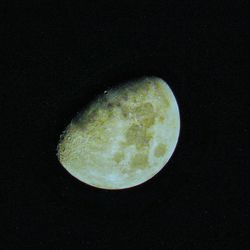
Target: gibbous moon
124	137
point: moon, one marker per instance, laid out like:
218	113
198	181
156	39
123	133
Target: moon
124	137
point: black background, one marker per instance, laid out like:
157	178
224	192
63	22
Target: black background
58	55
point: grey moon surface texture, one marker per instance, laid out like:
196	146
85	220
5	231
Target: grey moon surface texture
124	137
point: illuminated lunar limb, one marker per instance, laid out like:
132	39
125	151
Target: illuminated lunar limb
124	137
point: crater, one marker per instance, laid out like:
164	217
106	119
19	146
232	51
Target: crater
145	114
138	135
118	157
162	93
160	150
144	110
161	119
125	111
139	160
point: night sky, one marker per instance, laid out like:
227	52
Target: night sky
56	56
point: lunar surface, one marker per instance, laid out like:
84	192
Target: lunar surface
124	137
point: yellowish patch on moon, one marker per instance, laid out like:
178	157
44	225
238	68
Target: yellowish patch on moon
140	161
124	137
160	150
119	156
